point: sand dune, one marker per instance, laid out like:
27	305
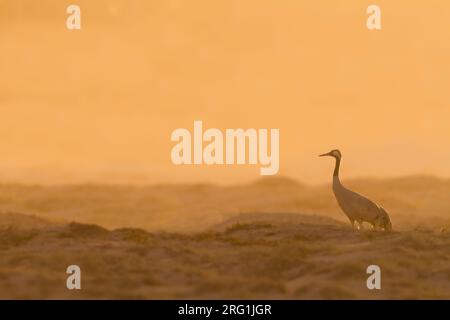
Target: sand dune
412	202
249	256
275	238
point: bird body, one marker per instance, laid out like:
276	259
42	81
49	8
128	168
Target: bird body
357	207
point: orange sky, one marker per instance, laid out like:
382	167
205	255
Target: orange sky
100	104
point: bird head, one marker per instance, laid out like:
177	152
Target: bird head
333	153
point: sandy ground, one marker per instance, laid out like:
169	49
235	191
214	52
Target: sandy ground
272	239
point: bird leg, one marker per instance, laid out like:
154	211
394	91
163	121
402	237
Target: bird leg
360	225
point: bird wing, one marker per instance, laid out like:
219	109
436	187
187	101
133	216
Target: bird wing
356	206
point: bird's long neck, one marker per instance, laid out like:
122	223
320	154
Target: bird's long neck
336	168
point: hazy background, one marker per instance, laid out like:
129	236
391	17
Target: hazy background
99	104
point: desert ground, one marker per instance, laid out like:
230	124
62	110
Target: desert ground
272	239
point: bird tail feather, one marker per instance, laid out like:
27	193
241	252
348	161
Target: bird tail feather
386	219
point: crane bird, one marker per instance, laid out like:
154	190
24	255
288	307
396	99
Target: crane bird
355	206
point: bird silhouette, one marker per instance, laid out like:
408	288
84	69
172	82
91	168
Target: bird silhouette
357	207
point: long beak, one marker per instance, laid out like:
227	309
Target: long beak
323	155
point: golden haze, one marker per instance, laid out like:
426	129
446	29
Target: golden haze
99	104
